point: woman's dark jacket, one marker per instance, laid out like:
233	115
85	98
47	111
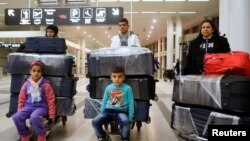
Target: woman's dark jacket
197	49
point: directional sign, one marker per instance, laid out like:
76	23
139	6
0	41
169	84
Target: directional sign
64	16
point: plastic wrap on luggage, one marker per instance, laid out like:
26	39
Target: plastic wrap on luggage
65	106
195	120
16	82
143	87
19	63
92	107
198	90
55	64
135	61
142	110
13	104
63	86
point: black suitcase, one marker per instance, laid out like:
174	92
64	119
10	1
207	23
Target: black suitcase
16	83
55	65
62	86
13	104
195	120
223	92
142	111
143	87
135	61
45	45
92	107
65	106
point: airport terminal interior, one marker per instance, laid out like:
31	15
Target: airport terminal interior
164	28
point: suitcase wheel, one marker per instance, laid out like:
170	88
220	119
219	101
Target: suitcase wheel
149	120
138	125
64	119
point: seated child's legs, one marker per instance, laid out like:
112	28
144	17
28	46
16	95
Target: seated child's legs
98	122
123	121
36	120
19	119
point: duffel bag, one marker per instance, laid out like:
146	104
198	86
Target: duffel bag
235	62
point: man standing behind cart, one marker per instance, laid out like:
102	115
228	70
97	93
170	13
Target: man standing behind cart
125	37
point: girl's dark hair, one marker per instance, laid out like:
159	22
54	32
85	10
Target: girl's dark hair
118	69
37	63
216	31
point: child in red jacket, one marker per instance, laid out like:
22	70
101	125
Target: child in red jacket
36	100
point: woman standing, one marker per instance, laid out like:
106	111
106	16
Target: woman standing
208	41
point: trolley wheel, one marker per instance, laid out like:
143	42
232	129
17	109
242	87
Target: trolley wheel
138	125
149	120
156	98
64	119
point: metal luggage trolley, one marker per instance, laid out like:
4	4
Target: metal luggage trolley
138	63
58	71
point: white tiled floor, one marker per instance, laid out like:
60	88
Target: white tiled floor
79	129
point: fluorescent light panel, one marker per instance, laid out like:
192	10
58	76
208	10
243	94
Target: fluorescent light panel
131	12
107	0
175	0
187	12
152	0
198	0
168	12
129	0
3	3
148	12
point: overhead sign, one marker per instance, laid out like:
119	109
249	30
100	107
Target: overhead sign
64	16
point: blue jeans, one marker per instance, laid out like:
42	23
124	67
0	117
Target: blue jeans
106	116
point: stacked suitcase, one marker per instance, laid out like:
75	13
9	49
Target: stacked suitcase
202	100
138	63
58	70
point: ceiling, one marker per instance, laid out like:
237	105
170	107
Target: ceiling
140	21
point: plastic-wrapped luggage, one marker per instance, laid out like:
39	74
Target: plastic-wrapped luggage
92	107
13	104
135	61
143	87
194	120
45	45
56	65
62	86
65	106
223	92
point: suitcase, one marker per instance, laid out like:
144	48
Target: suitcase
143	87
55	65
13	104
195	120
65	106
222	92
142	111
92	108
45	45
16	83
135	61
62	86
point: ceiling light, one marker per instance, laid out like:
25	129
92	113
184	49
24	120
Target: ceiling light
151	0
168	12
154	21
3	3
84	32
131	12
152	27
106	32
90	36
175	0
129	0
107	0
148	12
78	27
198	0
187	12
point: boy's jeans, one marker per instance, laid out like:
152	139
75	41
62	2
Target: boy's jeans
106	116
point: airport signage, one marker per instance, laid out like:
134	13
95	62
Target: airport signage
9	45
64	16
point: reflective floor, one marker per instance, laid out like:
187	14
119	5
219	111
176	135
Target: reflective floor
79	129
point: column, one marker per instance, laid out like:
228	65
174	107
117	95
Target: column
170	43
83	56
178	36
78	62
158	57
238	19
